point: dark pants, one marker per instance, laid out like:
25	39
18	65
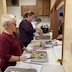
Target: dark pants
25	43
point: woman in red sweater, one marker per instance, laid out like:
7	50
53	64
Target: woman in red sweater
10	46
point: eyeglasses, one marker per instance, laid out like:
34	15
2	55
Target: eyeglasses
14	24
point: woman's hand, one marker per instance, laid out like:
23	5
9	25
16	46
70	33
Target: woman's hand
32	50
29	51
39	31
60	36
23	58
24	48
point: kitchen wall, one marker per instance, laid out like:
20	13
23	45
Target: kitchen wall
16	11
2	11
67	61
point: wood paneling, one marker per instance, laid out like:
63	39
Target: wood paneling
54	24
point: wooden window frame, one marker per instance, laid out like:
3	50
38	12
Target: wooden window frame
57	2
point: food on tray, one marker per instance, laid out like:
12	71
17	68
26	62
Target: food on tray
48	42
45	36
13	71
39	55
35	43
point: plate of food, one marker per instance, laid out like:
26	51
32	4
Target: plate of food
42	37
35	43
39	56
48	44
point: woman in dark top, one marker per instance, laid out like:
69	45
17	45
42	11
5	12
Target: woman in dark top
26	29
60	36
10	46
60	30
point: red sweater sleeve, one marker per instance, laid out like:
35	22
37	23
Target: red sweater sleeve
5	49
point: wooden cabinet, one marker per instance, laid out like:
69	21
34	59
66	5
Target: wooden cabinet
43	7
26	8
40	7
46	10
33	8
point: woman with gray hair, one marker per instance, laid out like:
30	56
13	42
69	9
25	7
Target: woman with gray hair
10	46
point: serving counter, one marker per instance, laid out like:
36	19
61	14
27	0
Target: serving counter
52	65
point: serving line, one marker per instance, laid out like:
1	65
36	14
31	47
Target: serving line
51	65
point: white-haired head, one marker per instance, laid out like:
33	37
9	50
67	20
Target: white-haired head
7	19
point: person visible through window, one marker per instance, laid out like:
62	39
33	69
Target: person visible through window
60	35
